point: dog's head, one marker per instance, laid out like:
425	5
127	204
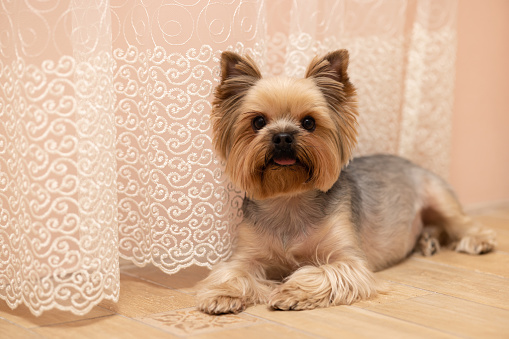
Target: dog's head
282	136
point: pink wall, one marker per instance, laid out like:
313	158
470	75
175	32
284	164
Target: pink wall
480	140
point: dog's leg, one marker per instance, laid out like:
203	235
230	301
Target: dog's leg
325	285
463	232
233	286
340	274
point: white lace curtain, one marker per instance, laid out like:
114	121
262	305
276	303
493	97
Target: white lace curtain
105	146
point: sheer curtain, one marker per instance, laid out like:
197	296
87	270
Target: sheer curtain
105	148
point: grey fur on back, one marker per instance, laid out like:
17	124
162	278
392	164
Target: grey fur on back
389	193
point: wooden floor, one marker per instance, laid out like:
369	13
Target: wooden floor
449	295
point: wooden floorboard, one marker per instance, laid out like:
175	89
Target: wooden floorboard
449	295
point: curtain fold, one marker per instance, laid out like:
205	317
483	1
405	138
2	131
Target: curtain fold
58	194
105	146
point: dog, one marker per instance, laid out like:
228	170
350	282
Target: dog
317	224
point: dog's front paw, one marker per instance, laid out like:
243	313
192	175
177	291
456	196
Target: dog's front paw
222	304
290	296
331	284
306	289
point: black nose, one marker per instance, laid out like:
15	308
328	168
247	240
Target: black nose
282	140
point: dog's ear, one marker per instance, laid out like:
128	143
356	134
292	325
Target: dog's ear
233	65
238	75
334	65
329	73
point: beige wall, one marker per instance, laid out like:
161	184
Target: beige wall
480	140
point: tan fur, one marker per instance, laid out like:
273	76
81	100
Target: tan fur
243	95
314	231
321	269
302	98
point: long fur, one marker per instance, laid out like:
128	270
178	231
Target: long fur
315	229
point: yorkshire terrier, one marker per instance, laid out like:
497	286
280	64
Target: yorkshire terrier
317	225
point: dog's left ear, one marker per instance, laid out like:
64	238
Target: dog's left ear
330	75
333	65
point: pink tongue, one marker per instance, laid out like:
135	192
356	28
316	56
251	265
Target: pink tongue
284	162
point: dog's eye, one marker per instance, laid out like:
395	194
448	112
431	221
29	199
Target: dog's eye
308	124
258	123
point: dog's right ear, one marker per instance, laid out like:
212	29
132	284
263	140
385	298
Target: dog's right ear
238	75
233	65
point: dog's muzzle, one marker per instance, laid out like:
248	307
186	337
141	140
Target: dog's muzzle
284	150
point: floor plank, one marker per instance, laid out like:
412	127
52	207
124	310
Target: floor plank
496	263
10	330
139	297
392	292
109	327
22	316
482	288
449	314
347	322
257	332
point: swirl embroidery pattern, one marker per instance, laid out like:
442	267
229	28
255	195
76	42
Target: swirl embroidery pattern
57	185
174	203
58	178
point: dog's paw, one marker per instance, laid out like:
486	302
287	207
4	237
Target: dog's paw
306	289
331	284
428	245
222	304
290	296
478	241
